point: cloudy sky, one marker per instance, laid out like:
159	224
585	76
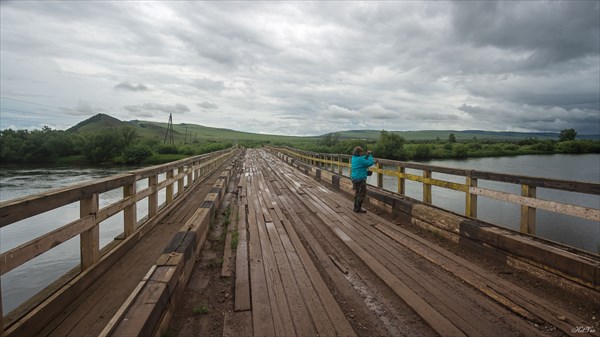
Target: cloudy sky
304	68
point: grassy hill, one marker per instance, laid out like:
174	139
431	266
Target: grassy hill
443	135
186	132
97	122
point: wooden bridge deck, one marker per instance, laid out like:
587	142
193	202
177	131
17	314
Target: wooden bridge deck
306	265
91	312
301	233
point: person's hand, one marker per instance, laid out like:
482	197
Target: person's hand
368	152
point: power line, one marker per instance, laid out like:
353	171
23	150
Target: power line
40	104
36	113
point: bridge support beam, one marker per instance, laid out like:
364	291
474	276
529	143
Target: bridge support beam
130	212
153	197
471	200
90	239
427	187
528	213
401	181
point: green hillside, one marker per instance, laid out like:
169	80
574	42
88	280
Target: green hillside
97	122
187	133
443	135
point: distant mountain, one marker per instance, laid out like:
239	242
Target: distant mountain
96	122
183	133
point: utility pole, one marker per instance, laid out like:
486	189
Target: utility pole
169	134
185	139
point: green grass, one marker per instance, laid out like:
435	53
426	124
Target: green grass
202	309
235	238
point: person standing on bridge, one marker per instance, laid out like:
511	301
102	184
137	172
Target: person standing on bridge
360	167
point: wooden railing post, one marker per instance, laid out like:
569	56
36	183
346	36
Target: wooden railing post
471	199
169	190
349	166
153	197
190	180
180	181
130	212
427	187
379	176
401	181
90	239
339	162
528	213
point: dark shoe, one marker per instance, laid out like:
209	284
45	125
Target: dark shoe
360	210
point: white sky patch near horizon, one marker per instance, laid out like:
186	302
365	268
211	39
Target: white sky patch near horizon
304	68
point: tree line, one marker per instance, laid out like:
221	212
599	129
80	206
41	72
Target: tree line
111	146
124	146
393	146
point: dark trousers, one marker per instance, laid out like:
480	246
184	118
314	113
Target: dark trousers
360	188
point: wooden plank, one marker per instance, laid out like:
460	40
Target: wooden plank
279	309
242	278
325	311
381	250
25	207
27	251
564	185
519	301
553	206
492	293
46	314
262	319
114	208
109	328
438	322
430	315
145	311
298	311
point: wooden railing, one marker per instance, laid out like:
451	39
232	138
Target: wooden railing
183	173
527	200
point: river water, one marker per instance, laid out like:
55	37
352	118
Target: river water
21	283
572	231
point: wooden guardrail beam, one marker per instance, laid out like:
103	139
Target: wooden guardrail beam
91	215
527	200
574	269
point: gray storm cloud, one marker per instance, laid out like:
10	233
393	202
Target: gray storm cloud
311	67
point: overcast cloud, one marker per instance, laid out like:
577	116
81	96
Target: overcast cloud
304	68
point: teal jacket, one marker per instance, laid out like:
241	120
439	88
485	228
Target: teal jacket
360	166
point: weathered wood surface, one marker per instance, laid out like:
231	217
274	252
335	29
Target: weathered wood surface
289	296
382	246
95	304
527	202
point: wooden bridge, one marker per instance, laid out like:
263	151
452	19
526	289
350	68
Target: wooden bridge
305	265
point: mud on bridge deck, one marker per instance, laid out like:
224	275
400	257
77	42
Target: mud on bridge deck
306	265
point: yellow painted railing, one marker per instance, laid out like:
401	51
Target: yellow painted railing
527	199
